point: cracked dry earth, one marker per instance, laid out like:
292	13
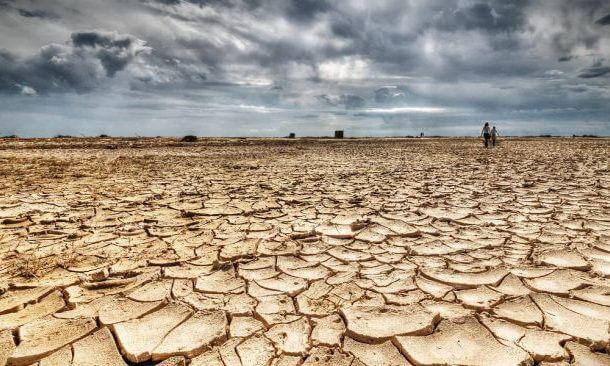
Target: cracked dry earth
305	252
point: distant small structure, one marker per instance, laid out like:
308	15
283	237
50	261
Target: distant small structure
189	138
291	135
339	134
421	135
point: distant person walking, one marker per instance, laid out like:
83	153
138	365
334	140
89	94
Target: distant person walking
494	135
486	133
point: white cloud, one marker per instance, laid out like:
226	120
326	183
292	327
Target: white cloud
26	90
345	68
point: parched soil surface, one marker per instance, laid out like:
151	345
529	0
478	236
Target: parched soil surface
247	252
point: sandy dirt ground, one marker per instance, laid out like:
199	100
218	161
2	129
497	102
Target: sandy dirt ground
304	252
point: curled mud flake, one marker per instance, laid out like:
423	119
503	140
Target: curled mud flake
595	294
309	273
447	310
42	337
122	309
244	248
600	267
561	319
563	259
152	291
585	308
138	338
520	310
378	323
14	300
558	282
291	338
97	349
256	350
339	231
221	281
284	283
583	355
193	336
541	345
466	280
436	289
49	304
481	298
463	341
228	353
244	326
328	331
511	285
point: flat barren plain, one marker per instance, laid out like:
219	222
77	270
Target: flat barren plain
228	252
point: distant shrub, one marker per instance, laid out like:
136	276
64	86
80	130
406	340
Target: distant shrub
587	136
63	136
103	136
11	137
189	138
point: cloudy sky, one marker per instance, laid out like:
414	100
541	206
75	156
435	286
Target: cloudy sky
270	67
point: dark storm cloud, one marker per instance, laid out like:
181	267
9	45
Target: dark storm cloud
205	41
565	58
36	14
594	71
79	65
306	9
603	20
114	51
323	58
29	13
490	16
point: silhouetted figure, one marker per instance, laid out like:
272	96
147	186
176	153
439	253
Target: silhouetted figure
486	133
421	135
494	135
